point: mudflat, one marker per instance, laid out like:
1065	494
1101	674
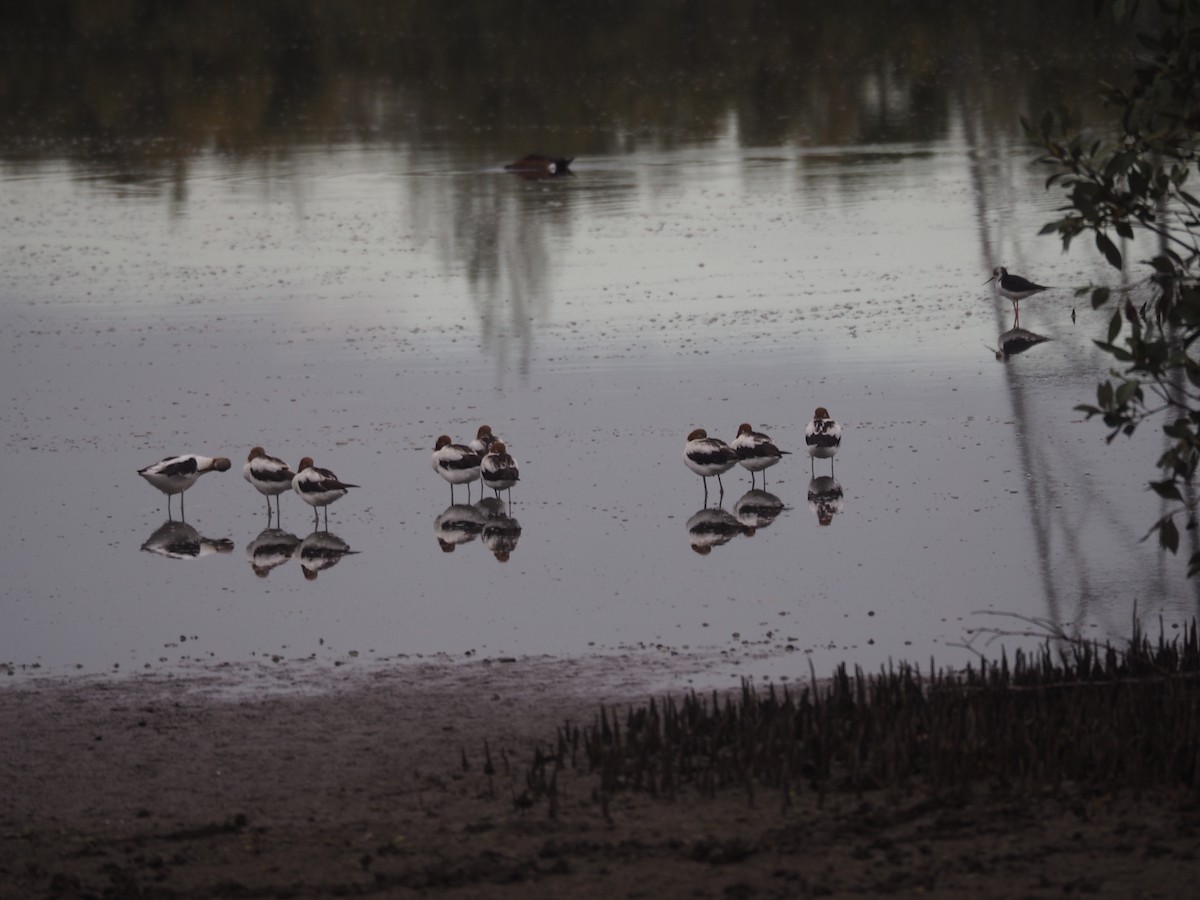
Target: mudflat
412	780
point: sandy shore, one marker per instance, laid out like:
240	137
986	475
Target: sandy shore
277	783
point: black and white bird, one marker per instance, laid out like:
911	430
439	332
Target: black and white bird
823	437
707	457
457	463
483	440
1014	287
176	474
318	487
269	475
499	470
755	451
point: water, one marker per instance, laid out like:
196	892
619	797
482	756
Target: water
352	294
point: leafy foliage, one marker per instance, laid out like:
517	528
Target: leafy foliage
1134	182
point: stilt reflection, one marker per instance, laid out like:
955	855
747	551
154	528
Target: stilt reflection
500	531
825	498
459	523
319	551
1014	341
756	509
712	527
270	550
179	540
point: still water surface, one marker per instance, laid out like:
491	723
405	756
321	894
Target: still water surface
352	299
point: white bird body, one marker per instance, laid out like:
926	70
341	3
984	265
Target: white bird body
823	435
318	487
269	475
1014	288
756	451
176	474
708	456
498	469
457	463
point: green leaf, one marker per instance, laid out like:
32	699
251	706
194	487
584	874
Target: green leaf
1168	535
1099	298
1109	249
1167	490
1163	265
1114	326
1126	392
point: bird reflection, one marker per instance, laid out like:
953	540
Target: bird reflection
179	540
712	527
825	498
756	509
1016	340
319	551
500	531
459	523
271	549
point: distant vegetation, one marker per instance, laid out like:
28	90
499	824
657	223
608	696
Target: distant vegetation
168	79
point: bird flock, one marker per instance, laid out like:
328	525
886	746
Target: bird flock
486	458
711	457
270	476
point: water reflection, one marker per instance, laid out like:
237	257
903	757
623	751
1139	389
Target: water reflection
711	527
426	131
271	549
319	551
756	509
1014	341
273	83
179	540
825	498
610	77
500	531
459	523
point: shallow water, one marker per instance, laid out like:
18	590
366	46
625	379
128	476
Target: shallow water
353	299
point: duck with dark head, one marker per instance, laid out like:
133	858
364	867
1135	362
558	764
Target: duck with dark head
539	165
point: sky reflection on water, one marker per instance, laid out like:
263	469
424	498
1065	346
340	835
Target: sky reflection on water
353	300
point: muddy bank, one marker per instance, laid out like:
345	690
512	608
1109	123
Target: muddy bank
226	783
